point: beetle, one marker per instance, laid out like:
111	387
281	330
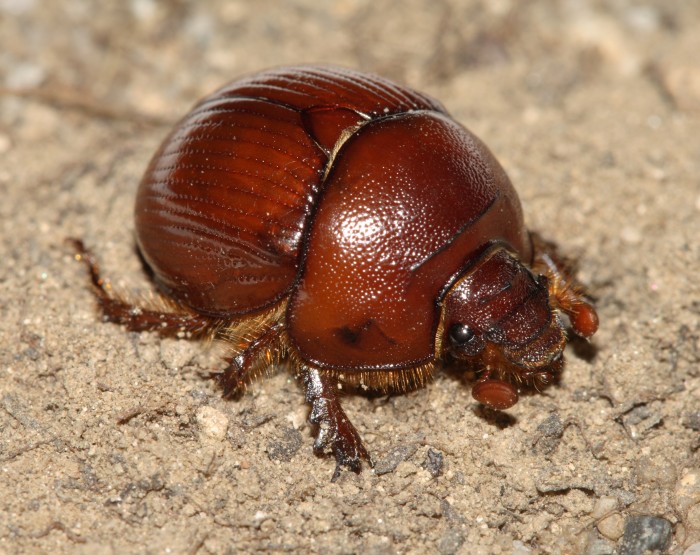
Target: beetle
350	225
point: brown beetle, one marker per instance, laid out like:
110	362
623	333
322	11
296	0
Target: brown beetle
348	224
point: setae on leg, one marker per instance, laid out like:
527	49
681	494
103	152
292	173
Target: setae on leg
170	320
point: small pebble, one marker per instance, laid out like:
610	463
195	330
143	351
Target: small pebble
212	423
549	433
267	525
646	533
392	459
284	447
612	527
687	490
692	420
604	507
657	471
433	462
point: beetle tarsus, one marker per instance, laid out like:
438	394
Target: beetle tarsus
233	379
335	431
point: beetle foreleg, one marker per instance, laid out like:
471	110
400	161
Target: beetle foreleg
334	428
565	293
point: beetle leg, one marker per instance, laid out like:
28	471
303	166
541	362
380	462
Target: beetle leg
245	366
565	293
334	428
178	322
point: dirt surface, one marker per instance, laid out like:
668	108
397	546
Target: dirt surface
113	442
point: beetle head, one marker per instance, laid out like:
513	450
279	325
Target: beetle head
497	317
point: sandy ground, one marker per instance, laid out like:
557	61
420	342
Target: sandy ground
116	443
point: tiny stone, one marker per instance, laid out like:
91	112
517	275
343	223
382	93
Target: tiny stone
259	517
212	423
267	525
692	420
657	470
551	426
433	462
394	458
603	507
554	509
284	448
693	550
626	498
450	513
612	527
645	533
549	432
687	490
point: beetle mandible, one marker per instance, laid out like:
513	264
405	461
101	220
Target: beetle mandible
349	224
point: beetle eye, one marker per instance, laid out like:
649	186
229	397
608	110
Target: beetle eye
460	335
465	342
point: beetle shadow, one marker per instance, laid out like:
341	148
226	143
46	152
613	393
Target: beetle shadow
496	418
583	348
